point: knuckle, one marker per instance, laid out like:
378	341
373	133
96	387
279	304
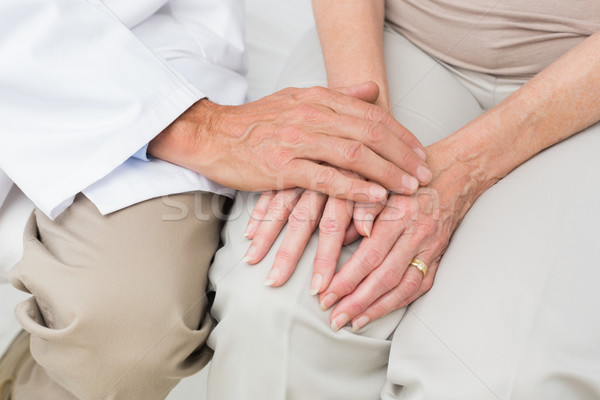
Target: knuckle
279	214
397	207
301	215
329	227
355	305
411	284
297	225
357	189
374	113
325	176
371	258
396	300
309	112
354	152
427	229
441	243
408	158
349	174
280	158
404	134
291	134
279	210
389	172
387	118
283	256
317	92
375	133
389	278
324	260
394	210
345	284
288	91
426	285
381	308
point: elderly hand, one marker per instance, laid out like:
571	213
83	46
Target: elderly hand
378	277
282	140
303	211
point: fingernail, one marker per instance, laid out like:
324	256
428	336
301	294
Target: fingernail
315	285
360	322
249	228
328	301
368	224
423	174
339	322
410	183
249	254
377	192
420	153
273	275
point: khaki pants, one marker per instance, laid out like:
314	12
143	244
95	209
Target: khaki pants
119	305
512	313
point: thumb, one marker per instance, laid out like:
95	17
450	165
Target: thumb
367	91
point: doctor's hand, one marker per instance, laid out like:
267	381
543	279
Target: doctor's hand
282	140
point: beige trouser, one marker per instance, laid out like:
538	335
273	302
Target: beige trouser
119	306
513	311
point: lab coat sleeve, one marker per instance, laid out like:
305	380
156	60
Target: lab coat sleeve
79	95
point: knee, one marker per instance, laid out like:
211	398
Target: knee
250	302
103	349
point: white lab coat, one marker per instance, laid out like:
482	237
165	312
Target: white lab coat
84	84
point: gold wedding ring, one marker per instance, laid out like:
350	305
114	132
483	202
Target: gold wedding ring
420	265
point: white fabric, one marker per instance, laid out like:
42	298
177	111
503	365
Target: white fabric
86	84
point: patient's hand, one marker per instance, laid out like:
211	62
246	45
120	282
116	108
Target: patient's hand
378	278
303	211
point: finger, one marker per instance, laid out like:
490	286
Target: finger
426	284
275	219
366	91
394	274
359	158
384	305
332	229
343	102
371	252
326	129
351	235
403	134
301	223
330	181
387	303
259	212
382	140
364	216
